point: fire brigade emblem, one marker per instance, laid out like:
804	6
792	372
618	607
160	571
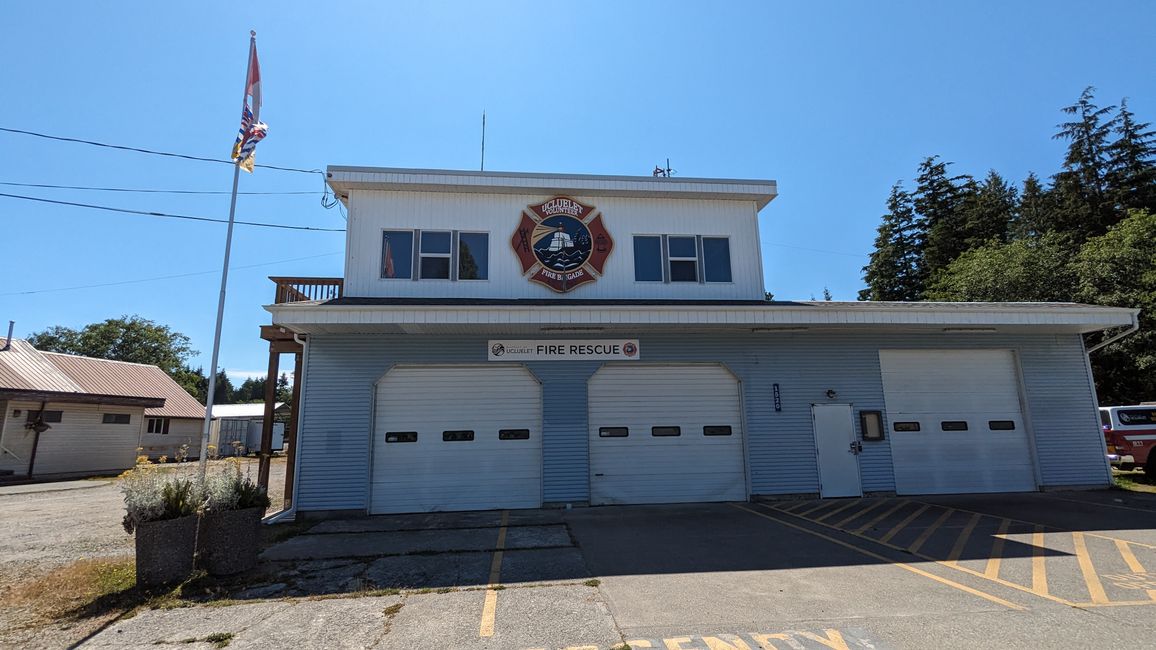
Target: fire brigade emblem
562	243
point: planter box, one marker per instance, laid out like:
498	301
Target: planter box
229	541
164	550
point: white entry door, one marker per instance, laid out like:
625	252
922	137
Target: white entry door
665	433
838	450
457	438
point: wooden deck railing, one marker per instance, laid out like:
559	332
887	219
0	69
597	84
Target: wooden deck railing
307	289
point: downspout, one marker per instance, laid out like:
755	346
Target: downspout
1132	329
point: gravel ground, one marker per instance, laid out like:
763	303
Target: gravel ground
42	531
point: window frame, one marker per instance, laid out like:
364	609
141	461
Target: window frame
453	257
162	428
413	236
49	417
421	255
456	260
666	258
116	418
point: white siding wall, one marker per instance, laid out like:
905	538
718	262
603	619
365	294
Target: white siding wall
80	443
372	211
182	431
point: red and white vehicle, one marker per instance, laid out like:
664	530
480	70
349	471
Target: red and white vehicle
1130	432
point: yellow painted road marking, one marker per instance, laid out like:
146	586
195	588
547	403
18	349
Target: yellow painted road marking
961	541
993	561
490	607
869	508
890	511
901	565
794	506
1057	528
1091	579
850	502
1133	564
956	566
903	524
1039	569
919	541
821	504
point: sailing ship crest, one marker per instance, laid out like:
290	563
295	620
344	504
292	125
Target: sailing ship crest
562	243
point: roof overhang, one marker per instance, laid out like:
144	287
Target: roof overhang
415	316
80	398
345	179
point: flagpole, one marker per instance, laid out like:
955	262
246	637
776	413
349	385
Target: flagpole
224	279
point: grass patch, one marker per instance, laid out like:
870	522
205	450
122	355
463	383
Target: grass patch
1134	481
220	639
83	589
392	610
593	582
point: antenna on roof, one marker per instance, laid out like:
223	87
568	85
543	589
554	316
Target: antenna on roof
483	139
659	172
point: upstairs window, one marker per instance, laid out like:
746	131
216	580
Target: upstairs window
682	258
435	255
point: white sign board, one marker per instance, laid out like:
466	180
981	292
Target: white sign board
564	350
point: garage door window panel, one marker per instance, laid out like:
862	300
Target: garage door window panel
716	431
514	434
1001	425
401	436
613	432
953	425
457	436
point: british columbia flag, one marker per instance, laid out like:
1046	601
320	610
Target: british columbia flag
252	129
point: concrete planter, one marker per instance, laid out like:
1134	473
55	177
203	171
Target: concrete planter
229	541
164	550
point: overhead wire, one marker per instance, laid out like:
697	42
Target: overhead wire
168	215
143	190
166	277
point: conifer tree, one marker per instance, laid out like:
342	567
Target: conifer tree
895	271
1131	172
1085	208
988	211
1035	214
938	200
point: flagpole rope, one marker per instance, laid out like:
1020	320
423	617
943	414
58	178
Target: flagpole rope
168	215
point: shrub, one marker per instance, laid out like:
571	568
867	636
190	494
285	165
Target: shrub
154	495
229	489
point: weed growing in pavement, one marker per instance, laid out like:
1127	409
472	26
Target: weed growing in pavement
593	582
219	639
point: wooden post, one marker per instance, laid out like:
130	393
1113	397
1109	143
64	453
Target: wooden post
266	452
293	427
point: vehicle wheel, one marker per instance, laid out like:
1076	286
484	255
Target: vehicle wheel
1127	467
1150	470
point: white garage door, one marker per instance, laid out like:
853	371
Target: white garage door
665	434
956	421
457	438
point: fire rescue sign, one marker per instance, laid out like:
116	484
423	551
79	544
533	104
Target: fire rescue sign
591	350
562	243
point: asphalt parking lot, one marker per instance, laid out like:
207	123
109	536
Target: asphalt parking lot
952	572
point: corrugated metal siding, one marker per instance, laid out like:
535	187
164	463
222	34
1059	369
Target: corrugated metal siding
80	442
342	369
371	212
104	377
24	367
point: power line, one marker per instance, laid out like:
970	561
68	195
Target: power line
164	277
138	190
151	151
168	215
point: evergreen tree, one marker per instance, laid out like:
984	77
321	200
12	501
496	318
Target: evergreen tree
1085	208
938	200
1131	174
284	391
895	271
1036	213
223	390
988	211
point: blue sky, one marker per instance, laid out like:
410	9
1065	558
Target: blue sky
834	100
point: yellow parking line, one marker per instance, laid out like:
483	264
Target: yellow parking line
821	504
1091	578
881	517
903	524
490	607
993	561
869	508
794	506
923	537
850	502
961	541
1039	568
901	565
1133	564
